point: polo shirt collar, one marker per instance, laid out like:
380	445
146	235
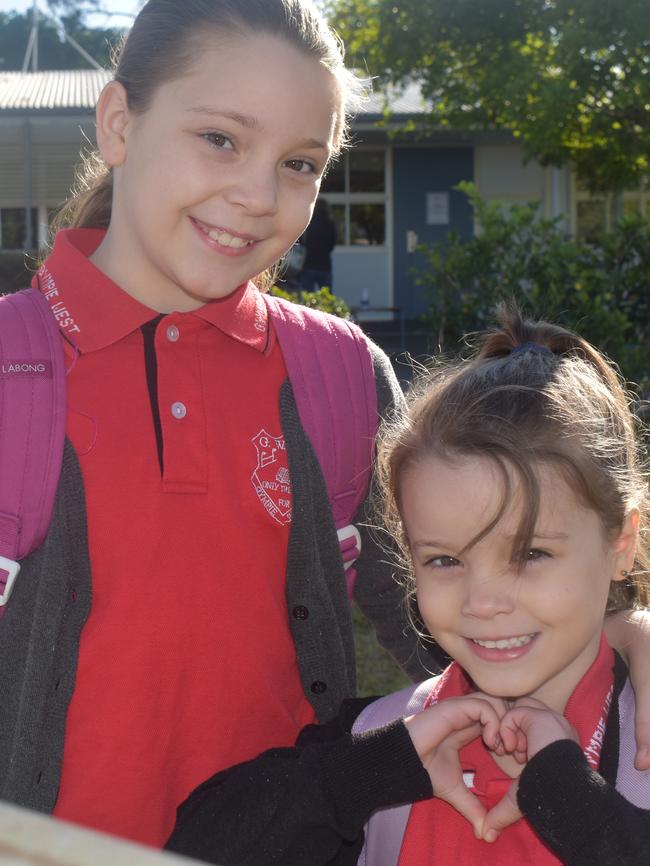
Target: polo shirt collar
242	315
94	312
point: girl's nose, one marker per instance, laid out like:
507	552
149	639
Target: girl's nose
254	190
486	597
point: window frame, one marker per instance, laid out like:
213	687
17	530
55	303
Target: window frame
347	199
640	196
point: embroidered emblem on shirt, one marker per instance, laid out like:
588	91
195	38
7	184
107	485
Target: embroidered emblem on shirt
271	476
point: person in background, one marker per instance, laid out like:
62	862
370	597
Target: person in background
319	240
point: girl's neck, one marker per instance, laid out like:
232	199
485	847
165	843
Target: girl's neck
148	289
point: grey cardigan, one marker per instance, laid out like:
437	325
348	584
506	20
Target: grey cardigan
40	632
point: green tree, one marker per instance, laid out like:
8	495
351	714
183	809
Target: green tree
600	290
53	51
569	78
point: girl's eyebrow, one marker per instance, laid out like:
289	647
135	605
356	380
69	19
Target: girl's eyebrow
249	122
432	543
243	119
543	536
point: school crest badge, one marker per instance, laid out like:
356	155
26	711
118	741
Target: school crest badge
271	476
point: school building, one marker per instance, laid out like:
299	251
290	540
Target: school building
388	193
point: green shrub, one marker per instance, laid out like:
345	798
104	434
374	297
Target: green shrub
600	290
322	300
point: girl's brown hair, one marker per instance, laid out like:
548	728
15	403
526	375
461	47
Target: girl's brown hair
534	395
162	45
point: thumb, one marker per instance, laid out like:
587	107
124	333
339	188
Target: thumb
505	813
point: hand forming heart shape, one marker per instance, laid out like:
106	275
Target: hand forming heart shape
441	731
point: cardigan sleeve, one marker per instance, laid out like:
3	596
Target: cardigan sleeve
379	589
581	817
302	806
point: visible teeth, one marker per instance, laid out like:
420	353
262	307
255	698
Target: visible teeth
227	240
505	643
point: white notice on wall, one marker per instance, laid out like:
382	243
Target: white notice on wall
437	208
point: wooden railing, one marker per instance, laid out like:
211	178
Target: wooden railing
32	839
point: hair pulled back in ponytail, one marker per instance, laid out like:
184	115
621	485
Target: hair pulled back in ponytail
162	45
534	395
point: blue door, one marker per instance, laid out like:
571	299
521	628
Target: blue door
426	207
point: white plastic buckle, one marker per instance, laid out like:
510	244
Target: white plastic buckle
9	571
349	531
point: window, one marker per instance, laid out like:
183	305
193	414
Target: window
13	235
355	187
595	213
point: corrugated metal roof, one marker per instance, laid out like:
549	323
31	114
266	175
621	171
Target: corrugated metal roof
51	90
78	89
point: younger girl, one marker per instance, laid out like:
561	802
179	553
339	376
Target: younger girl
515	487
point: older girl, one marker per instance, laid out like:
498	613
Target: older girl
168	599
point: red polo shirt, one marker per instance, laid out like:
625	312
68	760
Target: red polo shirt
186	661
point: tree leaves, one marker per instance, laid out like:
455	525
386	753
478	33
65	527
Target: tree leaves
570	78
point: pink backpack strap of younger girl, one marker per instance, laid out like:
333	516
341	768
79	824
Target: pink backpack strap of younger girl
32	427
385	829
332	376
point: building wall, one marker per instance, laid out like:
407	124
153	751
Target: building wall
55	145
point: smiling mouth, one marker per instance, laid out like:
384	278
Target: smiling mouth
505	643
224	238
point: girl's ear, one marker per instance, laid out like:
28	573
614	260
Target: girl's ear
112	115
624	545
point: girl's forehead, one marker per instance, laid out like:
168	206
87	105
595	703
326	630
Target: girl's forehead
465	493
259	71
263	83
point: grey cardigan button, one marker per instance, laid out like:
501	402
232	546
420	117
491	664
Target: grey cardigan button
300	612
318	687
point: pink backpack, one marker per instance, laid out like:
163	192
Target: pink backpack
331	373
385	829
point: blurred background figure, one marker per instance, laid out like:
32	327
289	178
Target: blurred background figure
318	240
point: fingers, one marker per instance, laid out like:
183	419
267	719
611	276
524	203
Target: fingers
642	758
527	729
641	682
505	813
468	805
461	719
629	633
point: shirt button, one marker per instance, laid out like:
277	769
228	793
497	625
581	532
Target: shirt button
179	410
173	333
318	687
300	612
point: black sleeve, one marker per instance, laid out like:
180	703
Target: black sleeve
302	806
582	818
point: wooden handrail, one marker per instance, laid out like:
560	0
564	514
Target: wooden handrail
32	839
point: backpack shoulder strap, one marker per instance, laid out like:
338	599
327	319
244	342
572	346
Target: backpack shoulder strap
331	372
385	828
407	701
633	784
32	427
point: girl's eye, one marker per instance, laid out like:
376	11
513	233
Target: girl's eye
301	166
218	140
535	555
443	562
